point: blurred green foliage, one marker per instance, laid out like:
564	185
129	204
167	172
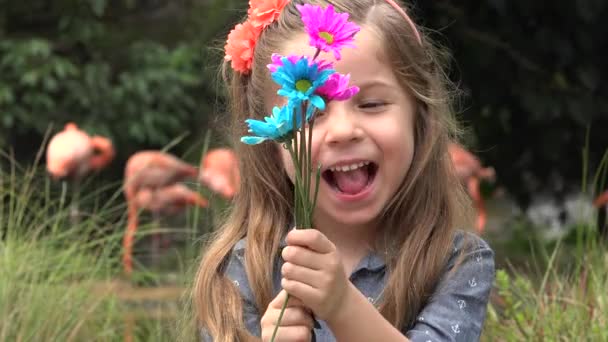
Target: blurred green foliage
140	72
532	73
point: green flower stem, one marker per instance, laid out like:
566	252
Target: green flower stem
309	171
301	155
295	140
299	210
299	193
276	327
303	165
317	180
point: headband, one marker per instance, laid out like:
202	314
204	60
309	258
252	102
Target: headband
407	18
242	39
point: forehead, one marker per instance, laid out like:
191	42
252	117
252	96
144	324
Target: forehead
365	62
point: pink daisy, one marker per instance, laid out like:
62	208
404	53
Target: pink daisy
336	88
329	31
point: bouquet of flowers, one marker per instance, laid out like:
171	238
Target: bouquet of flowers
308	83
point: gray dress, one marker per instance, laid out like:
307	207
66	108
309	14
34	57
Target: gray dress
455	312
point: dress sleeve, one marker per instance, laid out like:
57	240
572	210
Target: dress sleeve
457	310
235	271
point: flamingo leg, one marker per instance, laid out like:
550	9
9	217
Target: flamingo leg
602	222
132	221
601	202
75	203
156	239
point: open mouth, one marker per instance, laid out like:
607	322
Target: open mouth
351	179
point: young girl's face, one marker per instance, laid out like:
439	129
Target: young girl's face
365	144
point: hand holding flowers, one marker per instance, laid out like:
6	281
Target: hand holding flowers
296	323
314	271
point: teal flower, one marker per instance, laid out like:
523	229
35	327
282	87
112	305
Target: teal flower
299	79
278	126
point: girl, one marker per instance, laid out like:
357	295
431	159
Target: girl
385	261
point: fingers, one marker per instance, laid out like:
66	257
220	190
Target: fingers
300	273
289	334
311	238
296	323
295	316
302	256
277	302
301	290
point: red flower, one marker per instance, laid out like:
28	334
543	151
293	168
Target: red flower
240	45
263	12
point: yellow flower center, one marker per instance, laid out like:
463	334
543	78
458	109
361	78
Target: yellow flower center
303	85
328	37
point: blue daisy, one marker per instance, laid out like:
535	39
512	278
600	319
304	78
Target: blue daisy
278	126
299	79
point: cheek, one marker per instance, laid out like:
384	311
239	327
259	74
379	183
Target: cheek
398	140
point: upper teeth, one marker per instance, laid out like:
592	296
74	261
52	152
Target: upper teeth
345	168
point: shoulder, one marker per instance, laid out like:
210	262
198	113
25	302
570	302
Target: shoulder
235	268
469	241
235	264
456	310
471	262
240	245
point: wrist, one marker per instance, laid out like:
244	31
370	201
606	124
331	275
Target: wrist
341	314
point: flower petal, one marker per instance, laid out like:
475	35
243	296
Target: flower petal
300	68
336	25
317	101
263	12
260	128
239	46
253	140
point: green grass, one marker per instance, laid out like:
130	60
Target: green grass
565	299
53	265
555	291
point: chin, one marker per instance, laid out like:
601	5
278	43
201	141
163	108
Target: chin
362	217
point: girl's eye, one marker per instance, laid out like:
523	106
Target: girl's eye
372	105
319	114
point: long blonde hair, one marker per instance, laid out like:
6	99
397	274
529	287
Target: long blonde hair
430	199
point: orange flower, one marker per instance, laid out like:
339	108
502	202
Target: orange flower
263	12
240	45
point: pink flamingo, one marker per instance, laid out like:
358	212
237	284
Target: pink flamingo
169	200
220	172
72	154
470	172
151	171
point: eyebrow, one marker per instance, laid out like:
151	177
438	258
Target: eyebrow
375	83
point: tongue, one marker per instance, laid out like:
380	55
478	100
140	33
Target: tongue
352	182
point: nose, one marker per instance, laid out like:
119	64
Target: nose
342	124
